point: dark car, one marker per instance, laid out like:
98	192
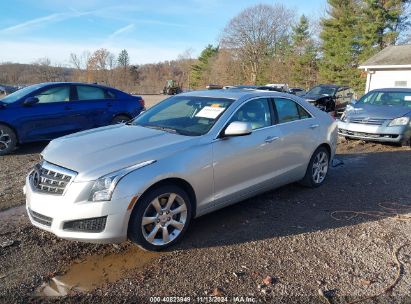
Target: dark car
330	98
297	91
49	110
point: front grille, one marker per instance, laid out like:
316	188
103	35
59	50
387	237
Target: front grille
96	224
41	219
49	178
367	135
367	121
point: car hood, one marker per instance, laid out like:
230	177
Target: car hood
100	151
378	112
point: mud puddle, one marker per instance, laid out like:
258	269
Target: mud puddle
94	271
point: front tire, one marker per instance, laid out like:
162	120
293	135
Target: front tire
8	140
317	168
160	218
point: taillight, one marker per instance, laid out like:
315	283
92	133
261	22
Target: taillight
142	102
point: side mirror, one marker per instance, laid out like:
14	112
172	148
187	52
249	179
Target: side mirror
238	128
31	101
353	101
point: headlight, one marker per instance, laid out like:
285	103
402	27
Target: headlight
349	108
103	188
401	121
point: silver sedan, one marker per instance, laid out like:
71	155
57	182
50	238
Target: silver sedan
380	115
187	156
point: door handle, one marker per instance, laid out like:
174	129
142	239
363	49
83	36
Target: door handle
67	108
314	126
109	105
270	139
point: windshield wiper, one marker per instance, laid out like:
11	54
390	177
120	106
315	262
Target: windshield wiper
170	130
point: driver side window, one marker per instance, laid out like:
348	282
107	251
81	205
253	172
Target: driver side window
256	112
55	94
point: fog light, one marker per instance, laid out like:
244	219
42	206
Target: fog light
96	224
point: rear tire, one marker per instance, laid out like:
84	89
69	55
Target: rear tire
120	119
317	168
160	218
8	140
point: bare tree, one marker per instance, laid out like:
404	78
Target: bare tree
185	61
255	33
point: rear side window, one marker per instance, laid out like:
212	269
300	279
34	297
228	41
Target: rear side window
55	94
288	110
90	93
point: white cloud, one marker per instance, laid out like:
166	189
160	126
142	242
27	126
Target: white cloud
120	31
42	21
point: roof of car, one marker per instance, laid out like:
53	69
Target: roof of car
332	86
76	83
234	93
392	90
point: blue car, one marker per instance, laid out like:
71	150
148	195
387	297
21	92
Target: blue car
48	110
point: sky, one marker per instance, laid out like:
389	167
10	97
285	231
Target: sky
151	31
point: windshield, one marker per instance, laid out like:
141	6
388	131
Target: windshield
401	99
185	115
20	93
322	90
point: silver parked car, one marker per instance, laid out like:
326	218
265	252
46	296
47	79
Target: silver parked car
380	115
187	156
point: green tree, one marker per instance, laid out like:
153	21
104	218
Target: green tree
200	70
341	46
354	31
304	55
123	59
382	23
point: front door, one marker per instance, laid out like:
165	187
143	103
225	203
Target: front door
244	165
50	117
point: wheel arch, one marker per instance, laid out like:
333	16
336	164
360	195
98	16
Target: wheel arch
123	114
326	146
175	181
13	129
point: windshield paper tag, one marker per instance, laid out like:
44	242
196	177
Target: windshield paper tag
407	98
210	112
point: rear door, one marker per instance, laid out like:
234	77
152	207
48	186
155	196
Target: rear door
92	106
50	117
299	137
343	98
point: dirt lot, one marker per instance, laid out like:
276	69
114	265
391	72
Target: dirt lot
290	234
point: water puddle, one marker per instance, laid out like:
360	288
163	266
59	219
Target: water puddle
94	271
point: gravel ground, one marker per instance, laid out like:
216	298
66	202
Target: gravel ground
288	234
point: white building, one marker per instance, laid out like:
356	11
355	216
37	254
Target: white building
389	68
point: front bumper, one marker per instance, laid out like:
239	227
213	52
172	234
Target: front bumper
106	222
371	132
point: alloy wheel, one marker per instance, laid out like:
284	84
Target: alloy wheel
5	140
320	167
164	219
